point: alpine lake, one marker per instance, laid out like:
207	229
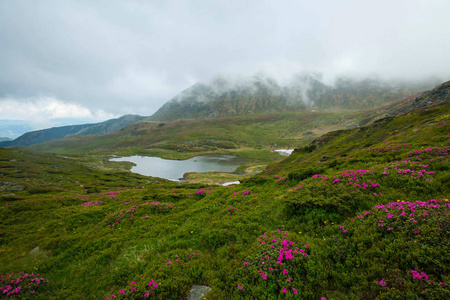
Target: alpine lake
175	169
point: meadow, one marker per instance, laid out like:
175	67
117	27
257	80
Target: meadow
356	214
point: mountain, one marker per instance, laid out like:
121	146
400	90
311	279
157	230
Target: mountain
437	95
261	94
44	135
238	135
5	139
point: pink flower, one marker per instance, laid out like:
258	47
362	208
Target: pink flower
122	291
285	272
284	290
245	263
264	276
289	279
294	290
240	287
146	295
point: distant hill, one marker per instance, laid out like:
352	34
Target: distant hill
5	139
44	135
260	94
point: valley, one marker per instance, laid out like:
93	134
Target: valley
365	204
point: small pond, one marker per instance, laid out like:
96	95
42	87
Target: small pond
175	169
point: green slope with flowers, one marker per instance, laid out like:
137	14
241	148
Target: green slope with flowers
357	214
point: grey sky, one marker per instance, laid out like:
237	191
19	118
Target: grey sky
100	59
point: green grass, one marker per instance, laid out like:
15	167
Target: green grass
187	138
212	230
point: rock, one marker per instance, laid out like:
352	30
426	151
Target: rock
197	292
35	251
7	186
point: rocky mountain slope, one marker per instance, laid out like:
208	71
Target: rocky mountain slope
260	94
437	95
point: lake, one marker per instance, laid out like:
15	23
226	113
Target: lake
175	169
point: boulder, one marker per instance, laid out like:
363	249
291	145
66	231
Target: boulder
35	251
197	292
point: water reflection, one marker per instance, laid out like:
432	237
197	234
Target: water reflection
174	169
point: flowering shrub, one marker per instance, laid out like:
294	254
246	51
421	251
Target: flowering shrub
201	193
159	207
230	210
242	193
135	290
21	285
275	265
91	203
138	210
402	247
182	258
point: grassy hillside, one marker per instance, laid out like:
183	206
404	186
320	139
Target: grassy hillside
184	136
358	214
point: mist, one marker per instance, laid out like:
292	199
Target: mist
109	59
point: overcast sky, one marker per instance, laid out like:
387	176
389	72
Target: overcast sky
94	60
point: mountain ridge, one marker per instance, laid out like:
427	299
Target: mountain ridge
259	94
184	138
44	135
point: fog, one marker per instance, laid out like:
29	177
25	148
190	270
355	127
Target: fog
100	59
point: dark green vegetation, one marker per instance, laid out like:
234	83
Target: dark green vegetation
357	214
41	136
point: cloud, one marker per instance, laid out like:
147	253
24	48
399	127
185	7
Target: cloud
46	112
133	56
